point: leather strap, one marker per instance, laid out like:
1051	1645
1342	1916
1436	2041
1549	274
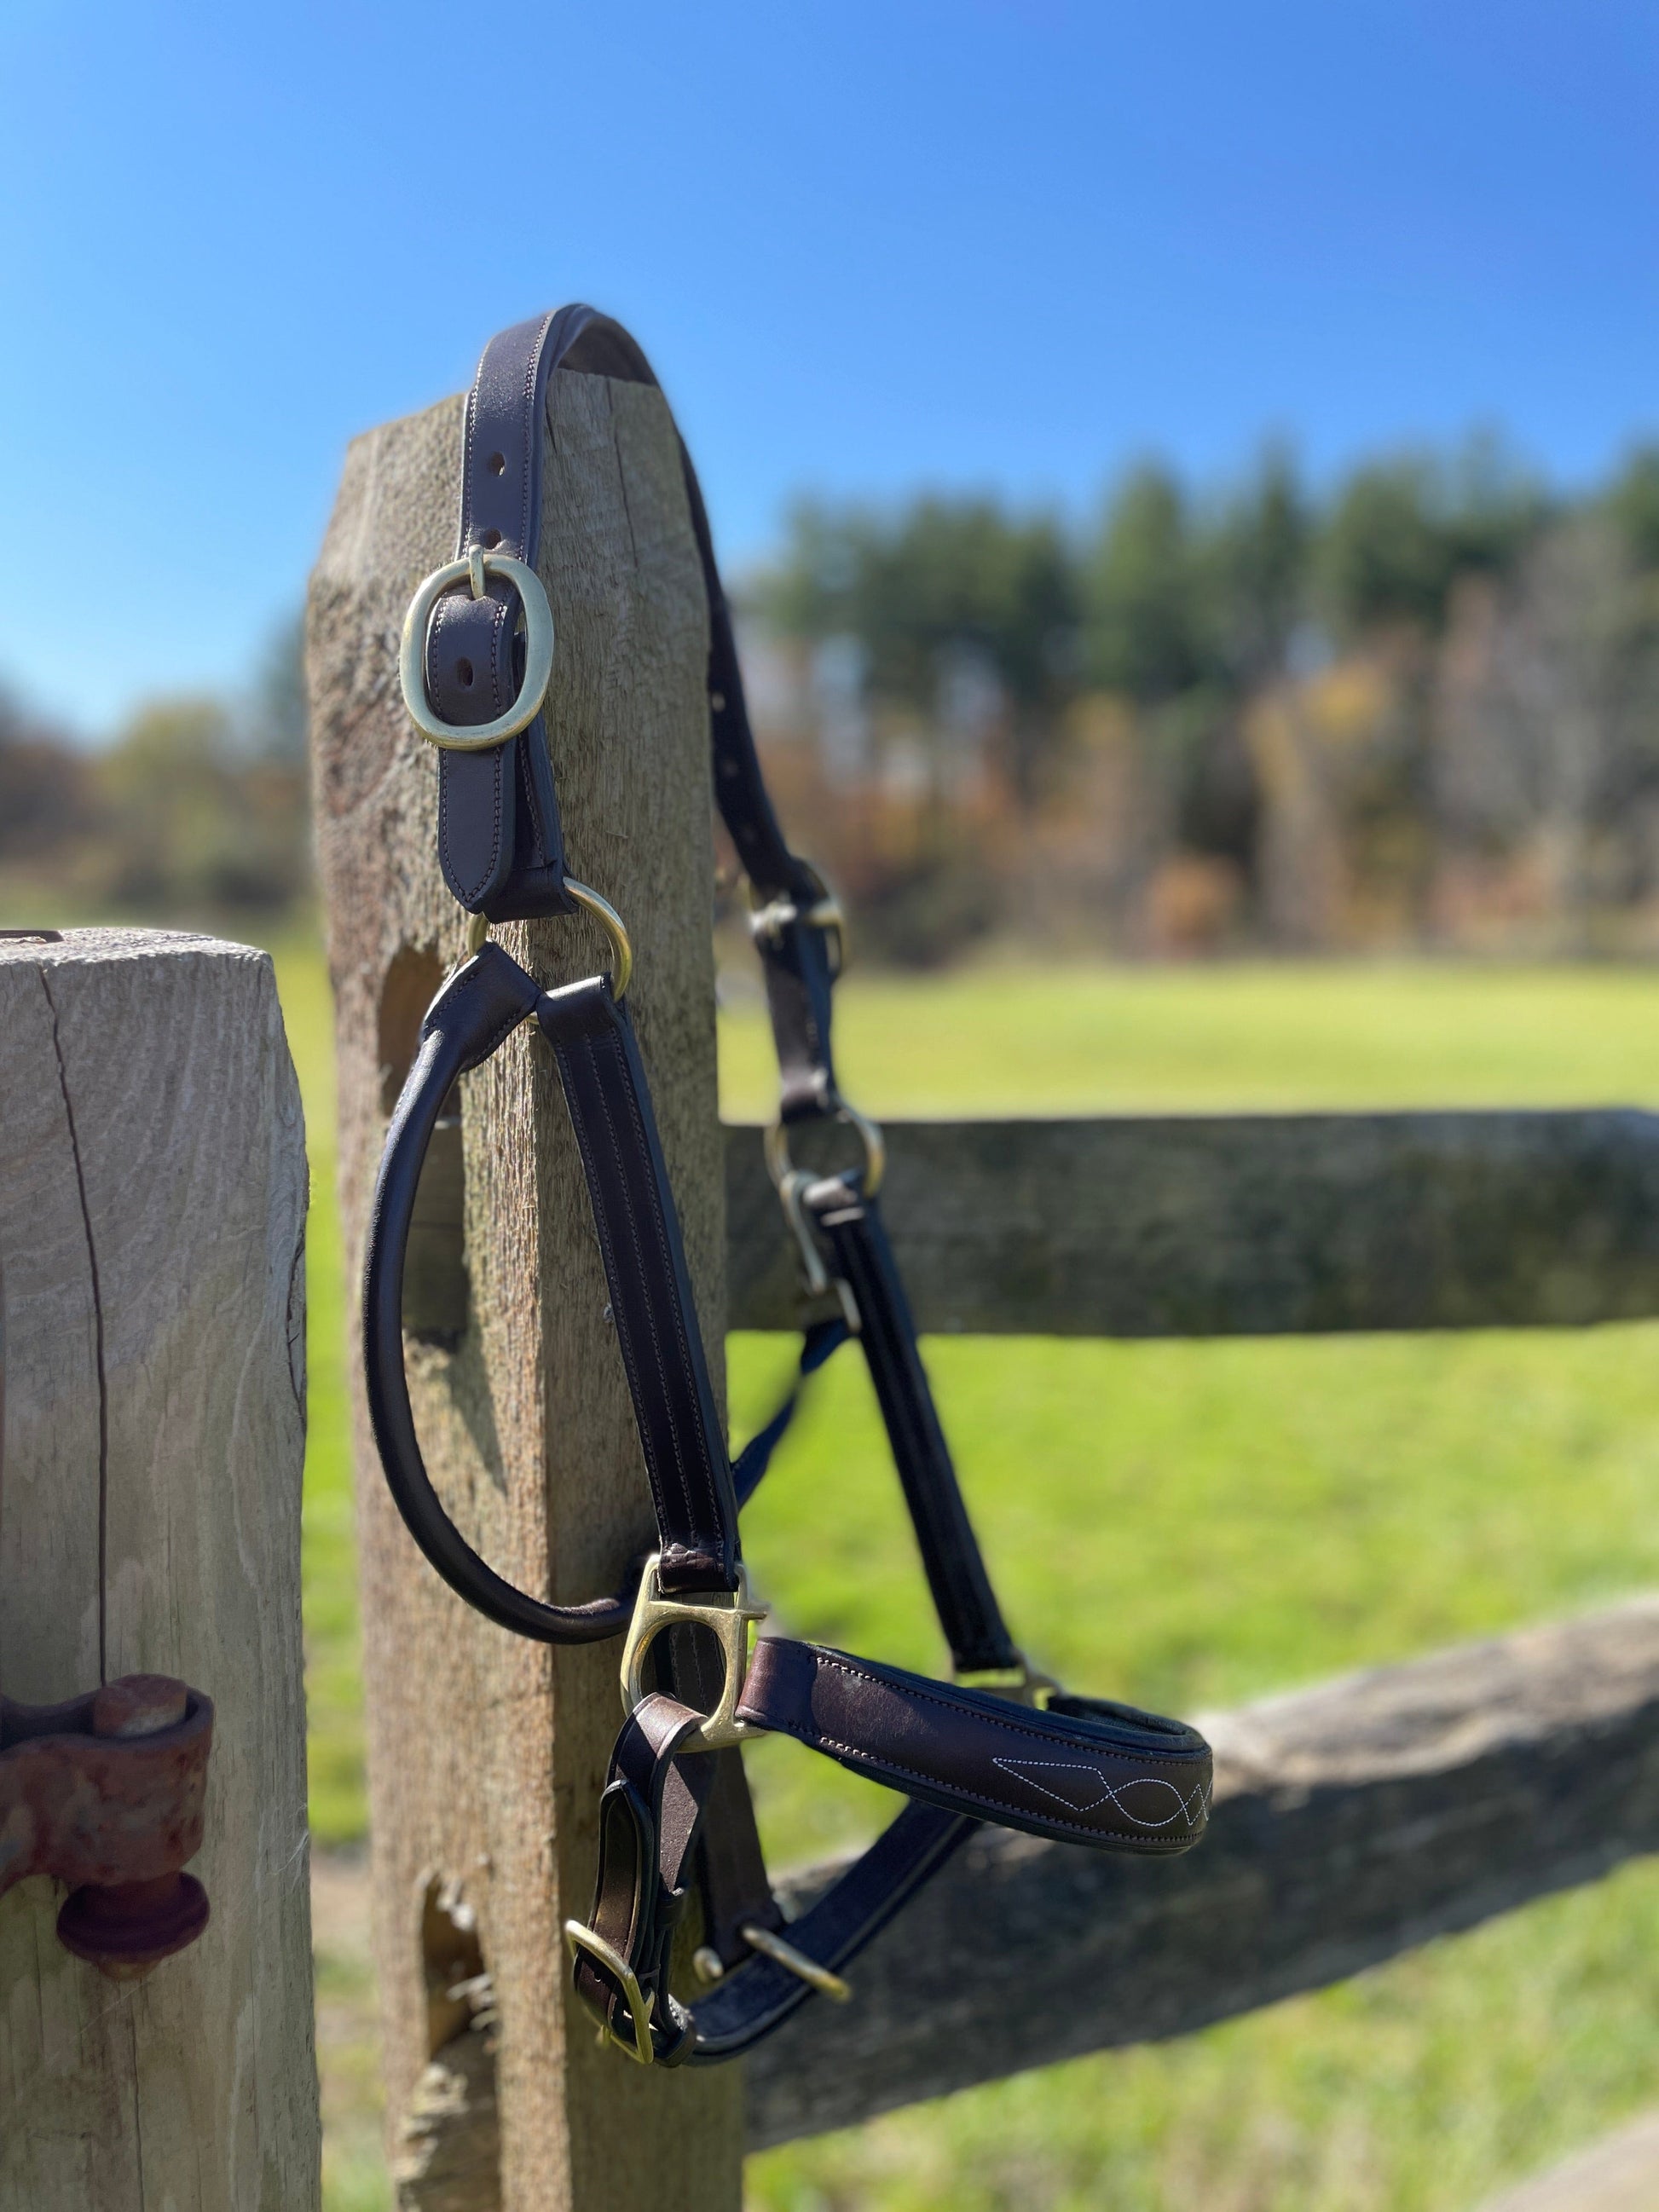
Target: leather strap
651	1302
822	1341
499	839
1085	1771
760	1995
648	1819
500	842
955	1566
1082	1771
479	1007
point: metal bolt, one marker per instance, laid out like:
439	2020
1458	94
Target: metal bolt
124	1928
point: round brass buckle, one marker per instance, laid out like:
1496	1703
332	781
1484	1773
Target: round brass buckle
472	569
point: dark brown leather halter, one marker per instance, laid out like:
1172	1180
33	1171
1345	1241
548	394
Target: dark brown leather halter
999	1743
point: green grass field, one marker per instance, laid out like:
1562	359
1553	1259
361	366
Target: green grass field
1187	1525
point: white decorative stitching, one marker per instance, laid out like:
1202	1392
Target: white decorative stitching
1017	1769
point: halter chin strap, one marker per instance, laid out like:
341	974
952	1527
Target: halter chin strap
676	1817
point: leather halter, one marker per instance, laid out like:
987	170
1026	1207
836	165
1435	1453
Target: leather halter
675	1817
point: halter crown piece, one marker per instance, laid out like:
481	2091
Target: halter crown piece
999	1742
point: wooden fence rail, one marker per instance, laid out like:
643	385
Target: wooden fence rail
1249	1225
1213	1225
1351	1821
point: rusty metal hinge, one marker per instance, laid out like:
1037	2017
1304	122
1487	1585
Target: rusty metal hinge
106	1793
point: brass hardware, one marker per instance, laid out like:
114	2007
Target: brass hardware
790	1186
471	570
826	913
1021	1684
779	1164
622	947
707	1964
785	1955
727	1616
578	1938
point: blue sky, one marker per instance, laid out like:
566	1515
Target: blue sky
868	248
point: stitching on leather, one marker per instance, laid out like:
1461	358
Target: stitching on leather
468	434
593	1045
873	1762
498	1037
469	891
530	428
497	628
931	1696
465	891
568	1058
654	1199
1185	1801
655	1210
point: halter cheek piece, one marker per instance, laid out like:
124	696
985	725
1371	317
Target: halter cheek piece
999	1743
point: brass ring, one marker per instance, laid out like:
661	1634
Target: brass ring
539	652
622	948
779	1166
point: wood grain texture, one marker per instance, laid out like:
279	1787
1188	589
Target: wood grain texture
486	1754
1255	1225
152	1215
1351	1821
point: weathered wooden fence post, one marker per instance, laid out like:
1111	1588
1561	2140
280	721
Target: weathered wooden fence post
152	1222
486	1754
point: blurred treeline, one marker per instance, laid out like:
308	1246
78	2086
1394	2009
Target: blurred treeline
196	812
1421	709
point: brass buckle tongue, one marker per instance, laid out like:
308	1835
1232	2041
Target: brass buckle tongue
727	1616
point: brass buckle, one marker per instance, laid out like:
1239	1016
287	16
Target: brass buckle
827	912
727	1614
1021	1684
472	569
578	1938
